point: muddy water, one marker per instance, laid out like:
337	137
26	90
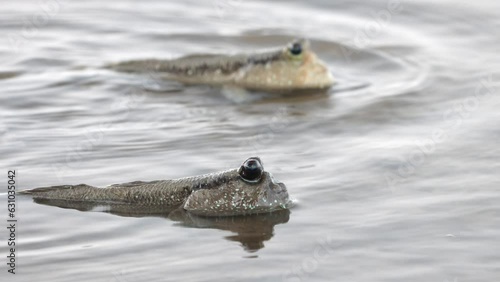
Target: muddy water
394	172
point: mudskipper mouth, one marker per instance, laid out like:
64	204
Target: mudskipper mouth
281	185
282	188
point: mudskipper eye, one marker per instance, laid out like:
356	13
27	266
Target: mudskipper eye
296	49
251	170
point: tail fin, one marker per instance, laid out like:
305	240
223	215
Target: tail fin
66	192
137	66
42	189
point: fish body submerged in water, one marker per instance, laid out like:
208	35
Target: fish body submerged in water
246	190
292	68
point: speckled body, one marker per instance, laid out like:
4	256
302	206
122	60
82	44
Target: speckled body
272	71
218	194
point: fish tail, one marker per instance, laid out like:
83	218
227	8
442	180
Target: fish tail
138	66
66	192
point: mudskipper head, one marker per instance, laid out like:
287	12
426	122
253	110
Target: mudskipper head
295	67
246	190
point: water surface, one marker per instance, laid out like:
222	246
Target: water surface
394	171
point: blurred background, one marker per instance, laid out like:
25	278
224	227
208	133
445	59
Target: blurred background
394	172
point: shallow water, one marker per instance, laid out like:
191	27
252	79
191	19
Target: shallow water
394	172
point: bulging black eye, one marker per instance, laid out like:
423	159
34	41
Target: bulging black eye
296	49
251	170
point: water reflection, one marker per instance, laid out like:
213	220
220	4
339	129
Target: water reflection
251	230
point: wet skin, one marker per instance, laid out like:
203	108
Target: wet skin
292	68
246	190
